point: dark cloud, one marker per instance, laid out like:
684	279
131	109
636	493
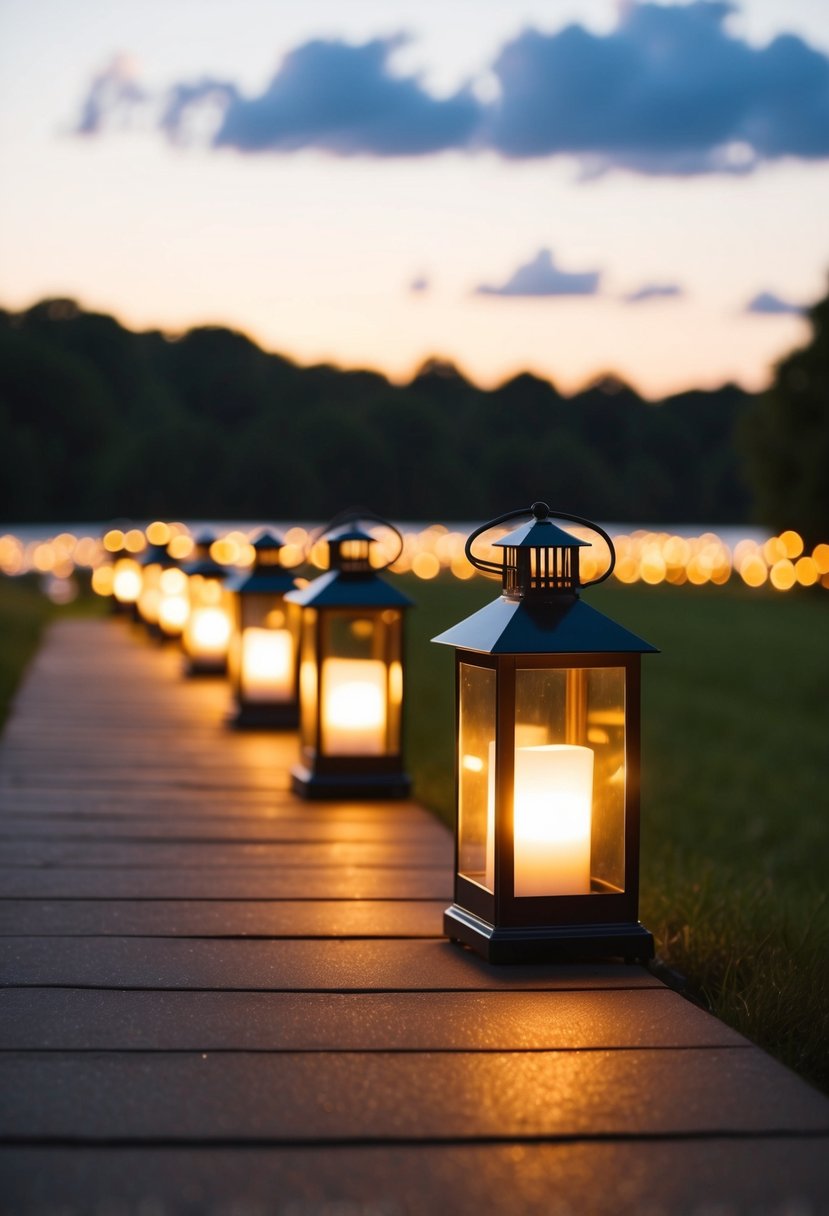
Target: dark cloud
541	277
654	291
668	91
336	97
768	304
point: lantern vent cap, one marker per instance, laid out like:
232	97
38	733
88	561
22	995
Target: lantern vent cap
540	560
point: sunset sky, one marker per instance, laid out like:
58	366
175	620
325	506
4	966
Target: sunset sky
565	186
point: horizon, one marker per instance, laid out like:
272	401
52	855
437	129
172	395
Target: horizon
376	185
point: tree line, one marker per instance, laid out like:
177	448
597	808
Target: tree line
97	421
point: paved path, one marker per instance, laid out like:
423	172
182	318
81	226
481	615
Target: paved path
218	999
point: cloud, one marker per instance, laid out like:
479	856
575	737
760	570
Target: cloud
768	304
669	91
654	291
113	97
541	277
419	284
335	97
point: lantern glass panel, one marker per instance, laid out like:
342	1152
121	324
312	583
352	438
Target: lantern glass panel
569	785
207	632
126	580
150	594
263	653
174	603
361	682
476	775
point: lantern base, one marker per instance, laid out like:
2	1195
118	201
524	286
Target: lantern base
547	943
316	786
265	717
205	667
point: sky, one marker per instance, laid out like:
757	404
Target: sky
568	187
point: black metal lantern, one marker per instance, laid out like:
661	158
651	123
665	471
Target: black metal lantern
264	667
207	632
547	759
351	673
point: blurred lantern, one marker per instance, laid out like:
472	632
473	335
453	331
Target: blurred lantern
263	653
152	562
351	672
206	635
547	759
174	600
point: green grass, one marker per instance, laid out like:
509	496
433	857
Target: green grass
24	613
735	820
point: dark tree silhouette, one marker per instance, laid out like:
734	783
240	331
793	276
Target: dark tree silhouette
98	422
785	434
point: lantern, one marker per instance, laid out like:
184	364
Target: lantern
206	634
152	562
351	674
547	759
263	663
173	601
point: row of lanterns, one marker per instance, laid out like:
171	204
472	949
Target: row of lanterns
547	714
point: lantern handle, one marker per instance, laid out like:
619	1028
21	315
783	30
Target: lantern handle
541	511
355	514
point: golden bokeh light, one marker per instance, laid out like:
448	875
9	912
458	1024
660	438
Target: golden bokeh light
113	540
782	576
792	542
642	556
158	533
135	541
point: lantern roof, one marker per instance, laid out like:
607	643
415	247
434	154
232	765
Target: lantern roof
266	576
540	534
567	626
155	555
202	562
344	589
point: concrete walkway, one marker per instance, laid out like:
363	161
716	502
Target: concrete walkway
218	999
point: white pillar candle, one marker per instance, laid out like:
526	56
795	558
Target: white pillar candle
552	819
354	707
267	665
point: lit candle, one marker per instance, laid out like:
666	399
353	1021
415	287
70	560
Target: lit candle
552	819
126	581
354	707
208	633
267	664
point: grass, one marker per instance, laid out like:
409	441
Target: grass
24	613
735	831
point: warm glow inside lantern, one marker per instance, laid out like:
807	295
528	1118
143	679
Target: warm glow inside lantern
126	581
207	630
547	760
264	651
351	675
